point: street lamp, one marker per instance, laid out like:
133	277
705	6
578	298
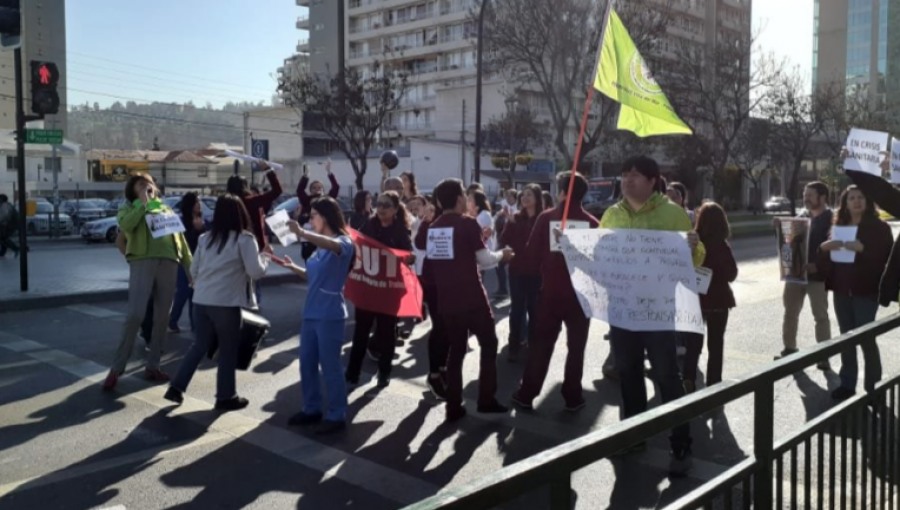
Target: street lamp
479	78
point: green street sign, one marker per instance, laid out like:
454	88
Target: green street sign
44	136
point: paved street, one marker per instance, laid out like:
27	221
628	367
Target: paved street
66	445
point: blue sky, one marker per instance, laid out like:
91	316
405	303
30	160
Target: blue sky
221	50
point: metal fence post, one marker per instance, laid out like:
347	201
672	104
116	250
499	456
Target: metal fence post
763	442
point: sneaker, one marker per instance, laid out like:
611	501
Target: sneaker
374	356
300	419
330	427
156	375
455	414
610	372
383	382
785	353
437	386
521	403
824	366
174	395
842	393
680	462
232	404
493	408
574	408
111	380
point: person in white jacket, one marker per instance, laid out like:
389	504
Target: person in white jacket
227	262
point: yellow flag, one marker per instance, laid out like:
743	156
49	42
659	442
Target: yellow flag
623	76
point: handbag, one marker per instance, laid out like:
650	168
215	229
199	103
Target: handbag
254	328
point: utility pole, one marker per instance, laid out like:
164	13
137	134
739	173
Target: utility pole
462	144
54	229
479	79
20	163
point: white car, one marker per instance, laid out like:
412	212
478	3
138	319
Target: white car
99	230
40	222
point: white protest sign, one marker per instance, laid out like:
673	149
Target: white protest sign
164	224
639	280
251	159
895	160
704	278
845	234
570	225
440	244
865	148
278	222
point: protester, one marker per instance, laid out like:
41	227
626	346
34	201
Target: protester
714	232
153	265
548	200
524	279
324	315
463	300
226	263
856	285
815	198
438	343
362	210
410	189
644	207
475	186
316	191
146	331
389	183
9	224
477	207
557	305
507	211
192	219
678	193
390	227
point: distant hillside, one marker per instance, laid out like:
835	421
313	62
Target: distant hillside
133	126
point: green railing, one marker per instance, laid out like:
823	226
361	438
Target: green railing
859	470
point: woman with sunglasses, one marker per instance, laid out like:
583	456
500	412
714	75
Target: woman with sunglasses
390	227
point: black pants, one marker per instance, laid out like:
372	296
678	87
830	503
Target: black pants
438	343
384	342
502	279
7	234
523	309
716	322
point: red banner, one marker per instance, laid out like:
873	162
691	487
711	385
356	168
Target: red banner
381	281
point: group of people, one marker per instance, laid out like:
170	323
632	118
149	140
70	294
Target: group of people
9	225
219	271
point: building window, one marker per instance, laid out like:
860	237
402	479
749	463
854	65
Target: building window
50	165
12	163
319	26
203	171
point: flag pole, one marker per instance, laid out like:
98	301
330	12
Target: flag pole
584	117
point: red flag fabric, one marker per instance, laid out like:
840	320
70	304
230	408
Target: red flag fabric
381	282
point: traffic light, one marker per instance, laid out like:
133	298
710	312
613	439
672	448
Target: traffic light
10	24
44	96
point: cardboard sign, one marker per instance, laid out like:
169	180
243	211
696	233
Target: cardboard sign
866	148
164	224
845	234
278	222
440	244
895	160
704	278
571	225
793	249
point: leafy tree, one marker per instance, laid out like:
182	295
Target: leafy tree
514	134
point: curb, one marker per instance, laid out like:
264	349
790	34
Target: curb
45	302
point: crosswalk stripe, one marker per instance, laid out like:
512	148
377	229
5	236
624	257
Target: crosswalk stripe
95	311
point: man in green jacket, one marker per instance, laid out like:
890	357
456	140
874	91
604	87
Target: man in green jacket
644	207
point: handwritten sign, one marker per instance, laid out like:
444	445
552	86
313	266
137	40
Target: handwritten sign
845	234
704	278
278	222
793	249
440	244
865	148
571	225
895	160
639	280
164	224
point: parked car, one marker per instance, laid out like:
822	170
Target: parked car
602	194
99	230
113	206
778	204
82	211
41	221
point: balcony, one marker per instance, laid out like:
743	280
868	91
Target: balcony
303	23
303	46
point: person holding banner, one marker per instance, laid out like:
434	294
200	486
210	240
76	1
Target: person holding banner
457	252
324	315
524	279
856	284
316	191
154	247
390	227
227	262
643	206
557	304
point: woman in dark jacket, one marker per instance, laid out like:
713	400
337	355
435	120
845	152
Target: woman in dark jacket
714	231
855	285
192	219
362	210
524	278
390	227
316	191
438	343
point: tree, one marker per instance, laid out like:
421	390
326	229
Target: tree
511	137
716	89
797	118
550	46
752	156
858	109
349	107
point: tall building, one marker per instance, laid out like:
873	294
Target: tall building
326	24
857	44
43	38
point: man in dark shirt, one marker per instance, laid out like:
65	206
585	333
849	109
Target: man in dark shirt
815	198
455	250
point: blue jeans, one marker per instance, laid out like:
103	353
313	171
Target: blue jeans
320	344
220	324
184	294
629	347
523	309
854	312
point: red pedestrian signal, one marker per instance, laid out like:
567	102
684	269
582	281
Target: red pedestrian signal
44	96
44	73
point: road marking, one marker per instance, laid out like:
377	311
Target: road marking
95	311
19	364
117	507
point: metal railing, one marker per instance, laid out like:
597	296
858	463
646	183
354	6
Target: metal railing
855	464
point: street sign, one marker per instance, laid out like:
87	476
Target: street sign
44	136
260	149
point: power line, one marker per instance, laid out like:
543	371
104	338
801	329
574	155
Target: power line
106	81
